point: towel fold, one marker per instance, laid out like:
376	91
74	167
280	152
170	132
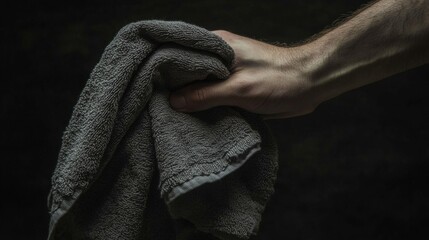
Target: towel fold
130	167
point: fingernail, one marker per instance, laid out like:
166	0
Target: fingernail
177	101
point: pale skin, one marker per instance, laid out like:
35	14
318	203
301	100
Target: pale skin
387	37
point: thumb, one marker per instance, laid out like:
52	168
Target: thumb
201	96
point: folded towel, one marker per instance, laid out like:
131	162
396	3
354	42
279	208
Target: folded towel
130	167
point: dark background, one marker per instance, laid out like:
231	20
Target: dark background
356	168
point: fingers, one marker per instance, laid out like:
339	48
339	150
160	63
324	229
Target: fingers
225	35
202	95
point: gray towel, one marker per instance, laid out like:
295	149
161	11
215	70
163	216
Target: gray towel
130	167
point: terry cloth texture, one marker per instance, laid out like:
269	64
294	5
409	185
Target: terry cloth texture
131	167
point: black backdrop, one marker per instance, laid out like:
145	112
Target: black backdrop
354	169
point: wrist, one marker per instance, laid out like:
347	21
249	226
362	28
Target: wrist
307	64
323	66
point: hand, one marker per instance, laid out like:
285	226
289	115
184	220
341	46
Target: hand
265	79
385	38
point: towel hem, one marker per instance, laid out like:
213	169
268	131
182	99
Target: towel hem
198	181
59	212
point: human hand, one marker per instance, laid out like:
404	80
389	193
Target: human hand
280	82
265	79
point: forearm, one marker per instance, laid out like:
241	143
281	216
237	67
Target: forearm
386	38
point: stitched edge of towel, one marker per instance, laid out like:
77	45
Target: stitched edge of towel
59	212
234	152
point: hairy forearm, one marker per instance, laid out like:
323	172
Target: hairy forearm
388	37
380	40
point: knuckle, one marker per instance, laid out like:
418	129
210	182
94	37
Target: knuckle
223	34
220	32
197	96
